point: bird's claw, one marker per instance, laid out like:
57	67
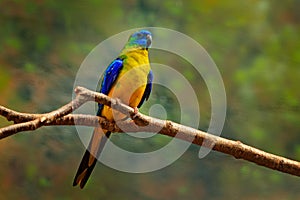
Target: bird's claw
118	101
135	112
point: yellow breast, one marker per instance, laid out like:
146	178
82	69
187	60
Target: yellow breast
131	82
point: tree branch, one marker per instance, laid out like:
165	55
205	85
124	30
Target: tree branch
140	122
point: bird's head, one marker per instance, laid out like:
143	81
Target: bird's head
140	39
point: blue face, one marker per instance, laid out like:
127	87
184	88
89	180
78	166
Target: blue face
141	39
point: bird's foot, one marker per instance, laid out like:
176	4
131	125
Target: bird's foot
118	101
135	112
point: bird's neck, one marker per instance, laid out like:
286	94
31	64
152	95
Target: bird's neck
134	50
135	58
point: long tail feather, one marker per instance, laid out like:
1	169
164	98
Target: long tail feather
89	160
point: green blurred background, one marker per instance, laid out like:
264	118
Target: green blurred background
255	44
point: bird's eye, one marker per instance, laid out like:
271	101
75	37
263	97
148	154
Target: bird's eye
139	35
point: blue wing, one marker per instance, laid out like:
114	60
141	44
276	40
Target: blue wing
148	89
110	76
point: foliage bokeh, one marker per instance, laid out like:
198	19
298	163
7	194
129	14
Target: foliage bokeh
255	44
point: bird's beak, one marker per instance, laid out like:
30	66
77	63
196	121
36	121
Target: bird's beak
149	40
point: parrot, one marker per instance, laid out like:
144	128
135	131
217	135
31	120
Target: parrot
127	78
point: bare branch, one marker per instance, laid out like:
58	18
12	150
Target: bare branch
140	122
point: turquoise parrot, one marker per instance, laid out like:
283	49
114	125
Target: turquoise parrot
129	79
